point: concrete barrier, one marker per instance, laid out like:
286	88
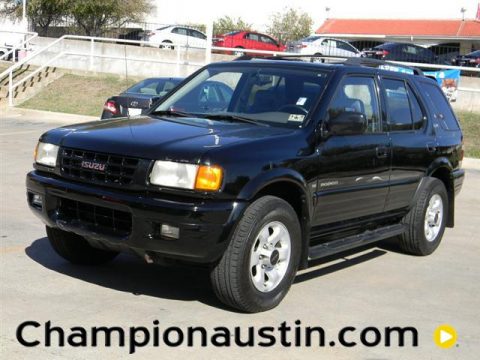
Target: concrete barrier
155	61
166	62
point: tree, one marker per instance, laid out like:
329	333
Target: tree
227	24
41	13
95	16
290	25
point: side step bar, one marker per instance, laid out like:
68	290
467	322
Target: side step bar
350	242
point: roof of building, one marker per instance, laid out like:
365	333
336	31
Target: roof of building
393	27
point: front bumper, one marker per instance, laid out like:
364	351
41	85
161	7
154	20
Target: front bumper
204	225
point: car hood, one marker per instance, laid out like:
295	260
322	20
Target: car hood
178	139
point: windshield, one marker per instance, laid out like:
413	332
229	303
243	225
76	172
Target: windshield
311	38
263	94
154	87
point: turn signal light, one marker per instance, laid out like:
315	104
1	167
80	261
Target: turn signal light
209	178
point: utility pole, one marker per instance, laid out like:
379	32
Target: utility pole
24	15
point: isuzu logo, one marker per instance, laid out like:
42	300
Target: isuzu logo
93	165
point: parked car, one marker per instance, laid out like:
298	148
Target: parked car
298	161
168	36
138	98
472	59
402	52
318	45
248	40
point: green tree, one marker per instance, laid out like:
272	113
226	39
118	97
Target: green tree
94	16
227	24
290	25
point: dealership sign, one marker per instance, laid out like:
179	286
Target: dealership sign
448	81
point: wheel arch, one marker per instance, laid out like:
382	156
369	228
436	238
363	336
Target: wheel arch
442	170
290	186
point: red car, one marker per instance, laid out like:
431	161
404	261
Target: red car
248	40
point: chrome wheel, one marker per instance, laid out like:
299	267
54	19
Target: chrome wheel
433	217
270	256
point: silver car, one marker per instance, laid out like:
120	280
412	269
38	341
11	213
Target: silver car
319	45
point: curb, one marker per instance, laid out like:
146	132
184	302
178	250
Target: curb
49	116
471	163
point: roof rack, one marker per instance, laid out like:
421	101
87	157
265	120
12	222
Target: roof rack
355	61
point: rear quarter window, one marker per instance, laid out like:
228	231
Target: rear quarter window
439	104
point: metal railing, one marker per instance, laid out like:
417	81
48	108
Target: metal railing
91	55
28	37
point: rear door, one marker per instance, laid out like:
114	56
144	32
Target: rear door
353	170
268	43
413	143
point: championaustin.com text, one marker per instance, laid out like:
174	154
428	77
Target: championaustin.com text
33	333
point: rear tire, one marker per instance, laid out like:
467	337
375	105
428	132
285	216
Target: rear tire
76	249
167	44
239	53
316	58
426	220
260	263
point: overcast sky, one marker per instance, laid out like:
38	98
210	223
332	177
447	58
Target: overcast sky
258	11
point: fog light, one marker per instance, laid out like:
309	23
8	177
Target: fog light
37	201
170	231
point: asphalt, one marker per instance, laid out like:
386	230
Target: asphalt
377	286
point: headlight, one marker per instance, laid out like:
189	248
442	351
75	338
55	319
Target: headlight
186	176
46	154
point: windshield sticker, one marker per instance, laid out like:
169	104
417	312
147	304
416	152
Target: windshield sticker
301	101
296	117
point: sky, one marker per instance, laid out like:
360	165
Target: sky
258	12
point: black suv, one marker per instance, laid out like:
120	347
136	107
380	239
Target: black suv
298	161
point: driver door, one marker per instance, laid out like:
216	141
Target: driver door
353	170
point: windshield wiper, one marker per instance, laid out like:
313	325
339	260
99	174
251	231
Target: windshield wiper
231	117
172	113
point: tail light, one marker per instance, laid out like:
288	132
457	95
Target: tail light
477	60
150	33
383	53
111	106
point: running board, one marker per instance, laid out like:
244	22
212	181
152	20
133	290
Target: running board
350	242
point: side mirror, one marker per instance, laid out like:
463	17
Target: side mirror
347	123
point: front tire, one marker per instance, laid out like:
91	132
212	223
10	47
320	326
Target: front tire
426	220
260	263
76	249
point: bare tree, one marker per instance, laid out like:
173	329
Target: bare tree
227	24
290	24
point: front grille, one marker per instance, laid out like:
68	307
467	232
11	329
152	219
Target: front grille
102	218
111	169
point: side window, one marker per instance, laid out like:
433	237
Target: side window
409	49
442	110
267	40
253	37
344	46
418	116
398	106
179	31
357	94
196	34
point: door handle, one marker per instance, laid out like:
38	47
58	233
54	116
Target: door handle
382	152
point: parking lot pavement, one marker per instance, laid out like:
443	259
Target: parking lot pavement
378	286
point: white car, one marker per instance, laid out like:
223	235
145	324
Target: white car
169	36
318	45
